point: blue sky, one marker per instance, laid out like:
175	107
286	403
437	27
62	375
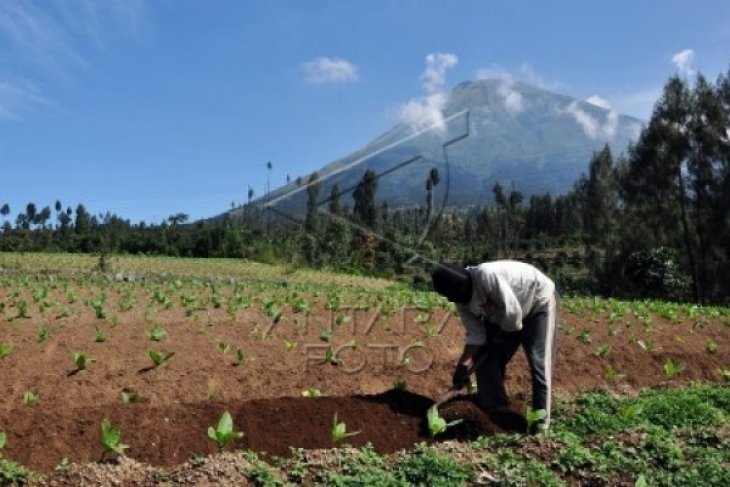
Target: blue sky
148	108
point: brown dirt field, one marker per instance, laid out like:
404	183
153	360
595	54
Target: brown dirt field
179	400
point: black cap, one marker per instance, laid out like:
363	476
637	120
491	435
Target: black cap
453	282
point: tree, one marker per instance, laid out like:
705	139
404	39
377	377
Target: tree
43	216
177	219
333	206
501	202
431	182
600	200
366	214
5	210
268	177
31	212
654	185
82	224
365	209
707	130
311	222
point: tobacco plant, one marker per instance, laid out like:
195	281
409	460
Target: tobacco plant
30	398
239	357
339	431
672	368
534	416
437	424
111	438
81	360
224	433
157	334
160	357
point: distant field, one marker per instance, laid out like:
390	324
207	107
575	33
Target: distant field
265	342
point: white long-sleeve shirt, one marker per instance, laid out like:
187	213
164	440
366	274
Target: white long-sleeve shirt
503	293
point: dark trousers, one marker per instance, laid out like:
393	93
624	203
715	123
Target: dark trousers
538	338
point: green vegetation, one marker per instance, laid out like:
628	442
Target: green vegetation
111	438
81	360
160	357
30	398
650	224
437	424
339	431
224	433
5	349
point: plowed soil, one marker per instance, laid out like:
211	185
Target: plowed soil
179	400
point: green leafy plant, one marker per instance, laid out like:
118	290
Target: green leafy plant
129	396
43	333
584	337
224	433
157	334
289	345
100	335
610	374
325	335
3	439
603	350
30	398
81	360
534	416
22	307
330	357
711	346
160	357
5	349
111	438
223	347
400	385
672	368
437	424
311	392
339	431
239	357
646	345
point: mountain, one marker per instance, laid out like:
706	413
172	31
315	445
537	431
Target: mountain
518	134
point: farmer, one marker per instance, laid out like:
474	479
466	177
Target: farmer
503	304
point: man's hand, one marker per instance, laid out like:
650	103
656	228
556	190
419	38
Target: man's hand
461	377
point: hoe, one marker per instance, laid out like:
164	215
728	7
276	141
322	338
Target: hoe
452	393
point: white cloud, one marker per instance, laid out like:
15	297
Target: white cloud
42	39
428	111
47	41
434	77
15	97
425	112
683	61
323	70
530	76
599	102
591	125
511	98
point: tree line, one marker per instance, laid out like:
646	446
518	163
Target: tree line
653	222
